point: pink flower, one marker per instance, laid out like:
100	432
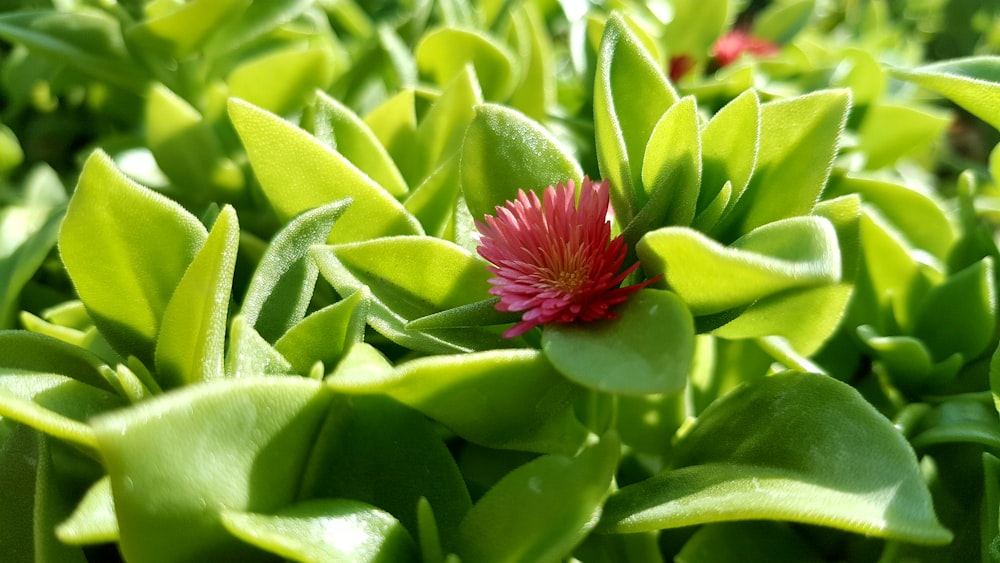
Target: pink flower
555	260
730	46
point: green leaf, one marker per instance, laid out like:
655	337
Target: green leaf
744	460
18	267
442	128
326	335
542	509
192	338
326	531
890	132
283	81
409	278
917	217
250	355
695	26
671	165
798	140
355	141
898	281
807	318
434	201
19	459
88	41
369	435
480	313
54	404
186	148
394	123
444	52
537	88
184	30
781	22
908	362
630	96
126	248
504	151
972	82
282	285
178	461
93	521
749	542
298	173
508	399
259	18
793	253
730	142
959	316
25	351
647	349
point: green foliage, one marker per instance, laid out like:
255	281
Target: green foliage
257	325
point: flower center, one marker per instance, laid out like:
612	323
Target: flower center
570	280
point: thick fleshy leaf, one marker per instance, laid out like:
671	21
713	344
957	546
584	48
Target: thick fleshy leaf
298	173
185	29
780	22
748	542
537	88
25	351
504	151
17	268
695	26
908	362
126	248
647	349
355	141
326	531
434	202
806	318
916	216
743	460
899	281
973	83
630	96
282	286
192	337
959	316
444	52
282	81
729	148
542	509
38	473
178	461
442	128
672	164
326	335
258	19
93	521
890	132
54	404
366	435
87	40
394	123
250	355
186	148
500	399
409	278
798	140
710	278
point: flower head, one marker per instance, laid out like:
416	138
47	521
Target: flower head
553	258
730	46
